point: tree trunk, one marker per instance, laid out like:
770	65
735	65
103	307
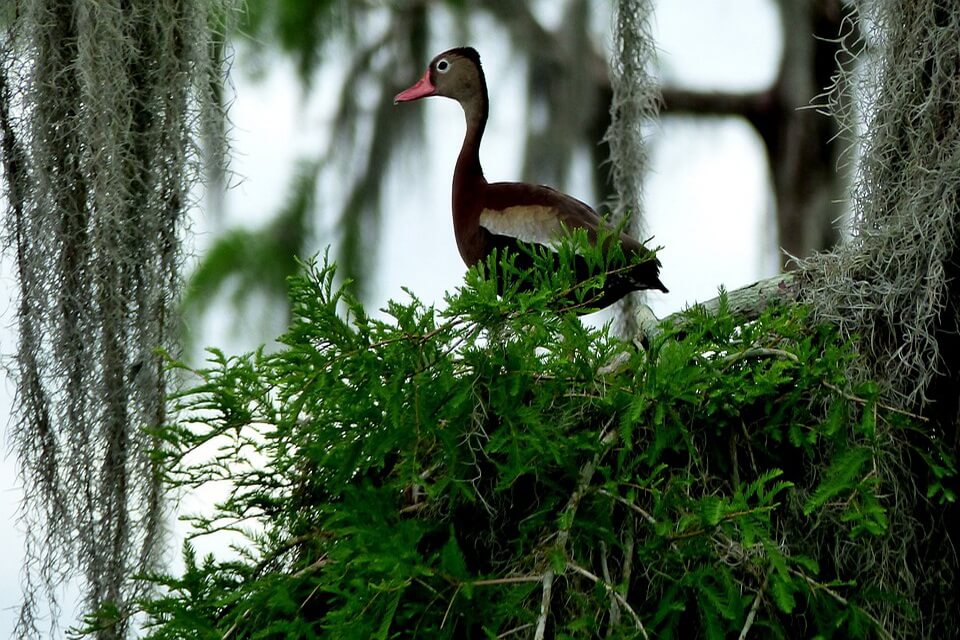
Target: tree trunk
803	152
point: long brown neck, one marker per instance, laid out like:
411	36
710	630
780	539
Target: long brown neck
468	180
468	163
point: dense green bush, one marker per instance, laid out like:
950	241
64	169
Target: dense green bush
495	466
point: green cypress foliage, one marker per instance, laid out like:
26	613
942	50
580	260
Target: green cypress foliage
497	469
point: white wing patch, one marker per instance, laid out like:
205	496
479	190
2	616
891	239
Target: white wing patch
527	223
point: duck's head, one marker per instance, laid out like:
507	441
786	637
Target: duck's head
455	73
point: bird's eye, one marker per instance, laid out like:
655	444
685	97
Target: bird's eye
443	66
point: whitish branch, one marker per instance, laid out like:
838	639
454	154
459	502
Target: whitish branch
613	592
746	303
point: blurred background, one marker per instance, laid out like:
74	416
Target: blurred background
742	166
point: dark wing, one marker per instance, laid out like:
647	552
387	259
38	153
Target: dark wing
540	215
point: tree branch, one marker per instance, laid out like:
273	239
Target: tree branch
751	106
753	609
749	302
746	303
524	27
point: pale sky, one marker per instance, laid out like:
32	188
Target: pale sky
707	199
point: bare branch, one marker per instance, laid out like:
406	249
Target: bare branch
751	105
545	598
816	586
753	609
613	592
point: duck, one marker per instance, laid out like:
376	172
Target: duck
519	217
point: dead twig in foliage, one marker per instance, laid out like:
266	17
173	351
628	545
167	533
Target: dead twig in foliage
607	438
839	598
605	568
853	398
614	593
753	609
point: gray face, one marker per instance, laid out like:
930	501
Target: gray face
455	77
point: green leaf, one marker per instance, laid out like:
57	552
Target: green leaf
782	591
810	565
711	510
839	478
868	423
383	631
452	561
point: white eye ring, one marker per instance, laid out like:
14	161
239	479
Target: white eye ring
443	66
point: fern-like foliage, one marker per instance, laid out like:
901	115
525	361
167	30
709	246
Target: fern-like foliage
421	473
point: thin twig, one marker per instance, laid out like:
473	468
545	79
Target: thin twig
232	526
284	548
449	607
735	460
753	609
626	572
646	516
313	566
515	630
413	508
726	518
759	352
544	605
605	568
821	587
839	598
746	438
511	580
607	438
235	625
864	401
610	589
310	595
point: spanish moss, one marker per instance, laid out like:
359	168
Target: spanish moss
893	288
103	106
635	104
889	285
